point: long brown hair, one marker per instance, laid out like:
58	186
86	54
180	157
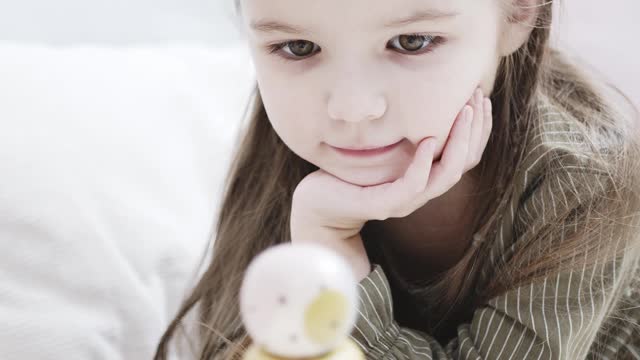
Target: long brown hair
255	210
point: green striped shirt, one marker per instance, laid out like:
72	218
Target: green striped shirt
563	316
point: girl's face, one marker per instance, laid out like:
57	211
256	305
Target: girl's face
352	76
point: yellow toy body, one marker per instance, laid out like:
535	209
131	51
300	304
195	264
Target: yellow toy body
348	350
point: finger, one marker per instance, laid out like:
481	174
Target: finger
420	168
451	165
487	124
476	129
383	200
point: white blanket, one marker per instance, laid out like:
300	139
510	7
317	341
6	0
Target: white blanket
111	167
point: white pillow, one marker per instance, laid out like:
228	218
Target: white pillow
111	168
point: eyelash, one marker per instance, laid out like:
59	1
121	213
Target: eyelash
433	43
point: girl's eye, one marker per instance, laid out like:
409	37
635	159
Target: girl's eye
295	50
415	43
410	44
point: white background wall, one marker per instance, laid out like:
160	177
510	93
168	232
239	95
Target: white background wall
116	21
603	32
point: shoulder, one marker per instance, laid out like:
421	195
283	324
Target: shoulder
580	155
571	170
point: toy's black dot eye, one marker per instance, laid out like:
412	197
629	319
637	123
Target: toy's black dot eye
293	338
282	300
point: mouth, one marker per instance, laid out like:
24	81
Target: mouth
367	152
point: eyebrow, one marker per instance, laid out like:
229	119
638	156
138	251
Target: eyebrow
269	26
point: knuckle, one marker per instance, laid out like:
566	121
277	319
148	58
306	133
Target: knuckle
403	213
456	179
395	211
399	211
472	160
382	215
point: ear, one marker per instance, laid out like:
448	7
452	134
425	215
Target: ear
520	19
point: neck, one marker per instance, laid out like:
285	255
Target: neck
435	237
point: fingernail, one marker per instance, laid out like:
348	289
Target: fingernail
428	144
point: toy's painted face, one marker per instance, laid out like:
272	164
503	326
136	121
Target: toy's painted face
298	300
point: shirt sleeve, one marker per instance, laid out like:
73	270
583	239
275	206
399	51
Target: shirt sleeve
536	321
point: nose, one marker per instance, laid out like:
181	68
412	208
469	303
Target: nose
354	97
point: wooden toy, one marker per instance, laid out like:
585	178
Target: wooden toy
299	301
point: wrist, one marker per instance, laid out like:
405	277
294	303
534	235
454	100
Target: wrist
351	249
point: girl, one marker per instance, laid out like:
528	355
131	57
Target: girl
499	227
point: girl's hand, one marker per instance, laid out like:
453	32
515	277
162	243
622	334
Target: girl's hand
332	212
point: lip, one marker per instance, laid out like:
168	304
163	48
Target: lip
367	152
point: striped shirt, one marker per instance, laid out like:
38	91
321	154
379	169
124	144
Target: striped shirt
563	316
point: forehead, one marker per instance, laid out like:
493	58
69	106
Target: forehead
310	15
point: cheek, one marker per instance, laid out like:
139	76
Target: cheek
291	120
431	106
432	103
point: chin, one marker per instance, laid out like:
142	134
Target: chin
367	176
